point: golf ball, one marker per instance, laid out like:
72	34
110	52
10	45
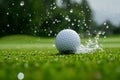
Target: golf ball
67	41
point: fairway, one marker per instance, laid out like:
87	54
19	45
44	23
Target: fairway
38	59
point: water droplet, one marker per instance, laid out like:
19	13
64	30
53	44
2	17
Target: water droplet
30	20
73	24
104	23
17	14
85	24
56	20
82	11
46	22
69	20
71	11
13	4
107	27
45	30
51	31
20	76
99	33
49	34
66	18
79	21
8	25
103	33
22	3
89	33
90	20
69	27
84	20
51	8
75	20
54	7
29	15
55	34
35	31
7	13
53	22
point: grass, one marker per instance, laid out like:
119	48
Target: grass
37	58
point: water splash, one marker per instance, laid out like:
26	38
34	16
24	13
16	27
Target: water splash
91	45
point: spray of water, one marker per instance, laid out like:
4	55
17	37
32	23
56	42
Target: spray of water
91	45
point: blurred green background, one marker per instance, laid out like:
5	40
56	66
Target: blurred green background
45	18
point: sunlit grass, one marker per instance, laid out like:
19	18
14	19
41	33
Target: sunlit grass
38	59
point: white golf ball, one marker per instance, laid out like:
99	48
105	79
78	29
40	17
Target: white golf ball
67	41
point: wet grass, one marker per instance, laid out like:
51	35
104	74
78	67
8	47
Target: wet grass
38	59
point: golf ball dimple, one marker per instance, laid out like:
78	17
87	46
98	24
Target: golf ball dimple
67	41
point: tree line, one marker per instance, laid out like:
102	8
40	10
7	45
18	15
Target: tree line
45	18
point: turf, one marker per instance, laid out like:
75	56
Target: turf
38	59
